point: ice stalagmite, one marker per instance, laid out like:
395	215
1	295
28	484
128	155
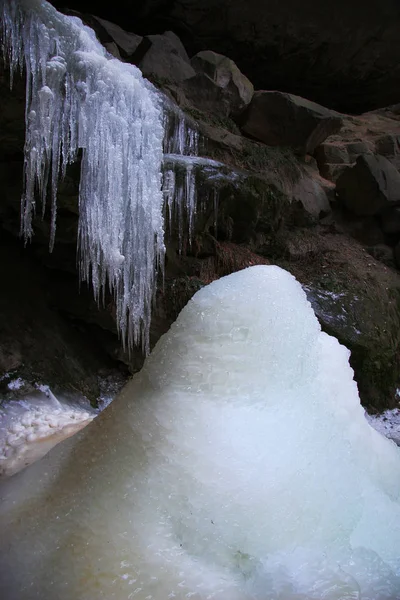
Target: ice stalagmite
81	99
237	465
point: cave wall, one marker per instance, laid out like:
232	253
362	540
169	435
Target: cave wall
345	55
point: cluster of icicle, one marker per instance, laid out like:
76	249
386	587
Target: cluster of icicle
82	100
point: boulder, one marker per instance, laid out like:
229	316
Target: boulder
165	59
332	153
279	119
357	147
110	33
310	196
237	89
370	186
285	44
388	145
203	93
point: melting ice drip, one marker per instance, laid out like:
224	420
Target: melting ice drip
79	98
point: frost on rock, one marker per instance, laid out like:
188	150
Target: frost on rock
80	99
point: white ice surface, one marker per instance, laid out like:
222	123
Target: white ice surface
236	465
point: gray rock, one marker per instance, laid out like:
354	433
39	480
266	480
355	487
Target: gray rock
313	198
370	186
355	149
203	93
126	42
333	153
166	59
238	89
280	119
388	145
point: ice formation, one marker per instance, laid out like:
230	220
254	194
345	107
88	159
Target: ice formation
236	465
32	425
80	98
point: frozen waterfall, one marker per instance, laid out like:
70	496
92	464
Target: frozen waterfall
237	465
81	99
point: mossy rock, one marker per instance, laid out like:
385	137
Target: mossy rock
357	300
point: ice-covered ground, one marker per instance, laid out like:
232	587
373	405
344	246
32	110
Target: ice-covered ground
387	423
33	421
33	424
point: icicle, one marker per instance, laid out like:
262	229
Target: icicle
79	97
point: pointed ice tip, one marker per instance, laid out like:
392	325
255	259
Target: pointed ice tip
78	97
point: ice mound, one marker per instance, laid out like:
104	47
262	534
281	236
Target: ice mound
236	465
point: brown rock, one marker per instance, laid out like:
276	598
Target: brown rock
126	42
279	119
238	90
341	54
370	186
165	59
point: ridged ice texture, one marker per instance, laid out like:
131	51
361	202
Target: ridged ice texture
179	185
31	426
80	98
237	465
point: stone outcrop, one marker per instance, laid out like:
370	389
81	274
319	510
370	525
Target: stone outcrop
165	58
112	36
372	185
376	132
279	119
344	55
237	89
269	202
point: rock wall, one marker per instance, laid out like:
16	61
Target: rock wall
288	192
344	55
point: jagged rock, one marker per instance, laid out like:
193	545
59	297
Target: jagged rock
356	148
333	156
126	42
332	153
166	59
311	196
238	90
279	119
388	145
370	186
203	93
